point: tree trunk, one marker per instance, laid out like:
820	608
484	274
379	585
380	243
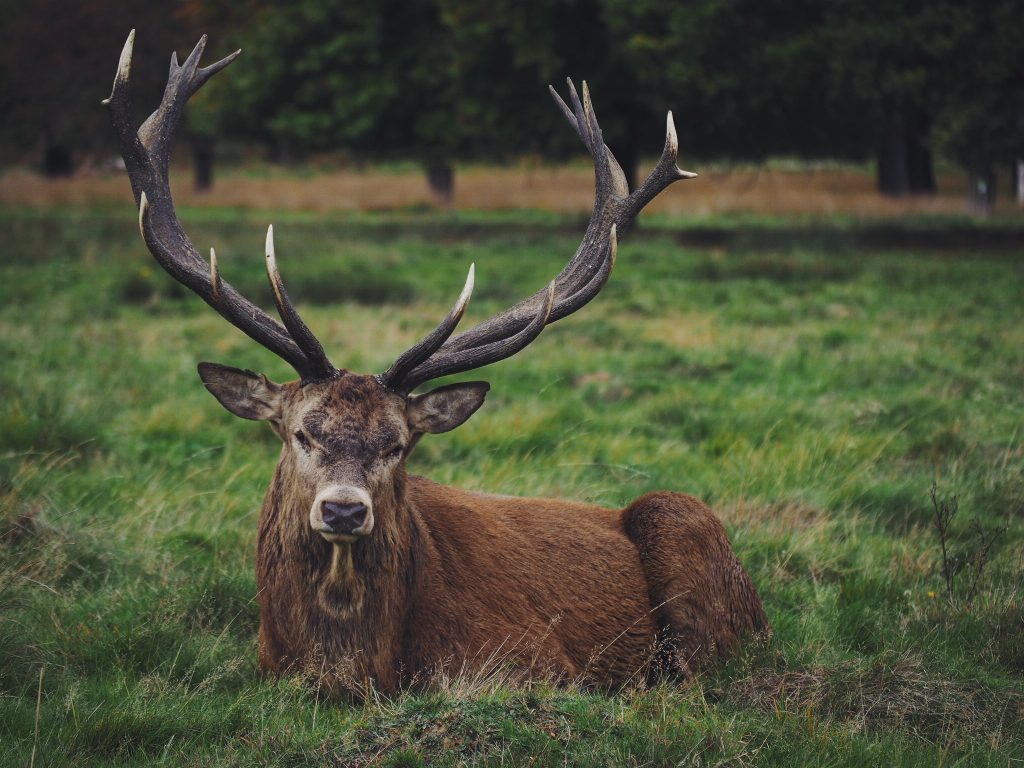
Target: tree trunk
202	161
892	155
57	160
981	190
1018	177
441	180
920	175
904	157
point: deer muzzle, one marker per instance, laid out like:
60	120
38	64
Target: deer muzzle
342	514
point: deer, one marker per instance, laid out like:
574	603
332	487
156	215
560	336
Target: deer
370	576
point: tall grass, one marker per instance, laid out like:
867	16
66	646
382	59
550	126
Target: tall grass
812	394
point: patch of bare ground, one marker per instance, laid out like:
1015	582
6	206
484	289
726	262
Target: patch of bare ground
562	189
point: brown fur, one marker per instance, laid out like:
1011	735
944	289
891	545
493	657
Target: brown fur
449	579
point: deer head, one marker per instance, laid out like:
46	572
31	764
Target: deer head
344	439
346	436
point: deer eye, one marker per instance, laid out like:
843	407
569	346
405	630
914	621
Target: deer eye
394	453
302	440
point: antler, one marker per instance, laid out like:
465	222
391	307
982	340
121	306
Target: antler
146	155
615	208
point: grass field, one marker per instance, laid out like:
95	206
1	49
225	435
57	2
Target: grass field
810	383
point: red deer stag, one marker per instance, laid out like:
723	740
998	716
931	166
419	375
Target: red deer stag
375	575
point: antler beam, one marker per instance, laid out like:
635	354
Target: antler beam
615	209
146	154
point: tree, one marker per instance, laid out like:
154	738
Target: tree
435	79
328	74
981	117
885	56
746	76
67	48
820	78
205	120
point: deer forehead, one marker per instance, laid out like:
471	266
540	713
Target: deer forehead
350	411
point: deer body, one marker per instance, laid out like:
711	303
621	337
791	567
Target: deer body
366	574
447	578
474	580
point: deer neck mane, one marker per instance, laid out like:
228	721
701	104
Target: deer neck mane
372	576
359	592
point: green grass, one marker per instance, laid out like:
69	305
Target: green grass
810	387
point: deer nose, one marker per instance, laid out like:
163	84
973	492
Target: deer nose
342	518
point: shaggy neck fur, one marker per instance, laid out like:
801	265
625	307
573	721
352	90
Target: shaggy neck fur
339	609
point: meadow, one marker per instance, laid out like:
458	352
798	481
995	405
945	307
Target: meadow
812	382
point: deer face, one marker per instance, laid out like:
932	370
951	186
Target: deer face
345	439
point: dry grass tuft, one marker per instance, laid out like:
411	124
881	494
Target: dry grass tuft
899	693
776	518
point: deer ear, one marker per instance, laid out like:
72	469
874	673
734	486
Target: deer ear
244	393
445	408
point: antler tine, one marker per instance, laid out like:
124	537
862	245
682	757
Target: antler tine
665	172
214	276
486	354
299	331
513	340
395	376
568	113
608	172
146	153
196	275
120	106
182	82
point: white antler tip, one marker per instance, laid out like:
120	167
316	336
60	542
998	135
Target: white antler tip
272	274
214	275
143	205
671	139
124	66
467	289
270	242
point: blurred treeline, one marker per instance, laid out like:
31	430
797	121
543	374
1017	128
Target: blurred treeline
902	83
